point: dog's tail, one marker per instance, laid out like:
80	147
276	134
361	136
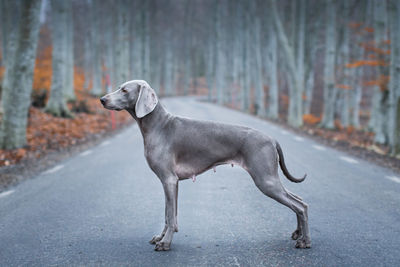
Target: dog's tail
284	169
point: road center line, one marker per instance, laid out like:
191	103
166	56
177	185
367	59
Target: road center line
284	132
349	160
317	147
298	138
54	169
6	193
85	153
393	178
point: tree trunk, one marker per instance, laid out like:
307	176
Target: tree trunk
9	28
145	41
271	70
345	58
296	82
87	47
394	84
379	111
297	96
257	67
9	19
221	57
245	65
168	73
69	92
19	75
330	90
97	89
56	104
122	44
210	61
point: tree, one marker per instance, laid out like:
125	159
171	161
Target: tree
56	104
69	92
9	20
344	57
97	88
295	77
19	75
256	60
121	45
394	84
221	55
330	90
271	59
380	97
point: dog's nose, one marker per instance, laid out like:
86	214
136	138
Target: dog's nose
103	100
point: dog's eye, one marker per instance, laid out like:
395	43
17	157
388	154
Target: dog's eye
123	90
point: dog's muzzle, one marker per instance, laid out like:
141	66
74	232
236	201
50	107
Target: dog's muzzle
103	100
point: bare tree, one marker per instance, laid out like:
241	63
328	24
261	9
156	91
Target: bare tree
330	90
394	85
295	78
9	20
380	97
69	91
271	69
19	74
56	104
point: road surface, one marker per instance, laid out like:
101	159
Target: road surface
102	207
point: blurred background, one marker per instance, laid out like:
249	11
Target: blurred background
329	68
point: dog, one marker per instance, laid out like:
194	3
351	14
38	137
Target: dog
179	148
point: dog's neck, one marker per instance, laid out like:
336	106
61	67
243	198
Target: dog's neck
152	121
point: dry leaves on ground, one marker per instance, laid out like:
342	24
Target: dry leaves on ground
47	133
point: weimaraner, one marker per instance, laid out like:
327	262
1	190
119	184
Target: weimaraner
179	148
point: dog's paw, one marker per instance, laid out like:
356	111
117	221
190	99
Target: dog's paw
161	246
303	243
155	239
296	234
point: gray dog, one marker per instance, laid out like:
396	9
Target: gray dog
179	148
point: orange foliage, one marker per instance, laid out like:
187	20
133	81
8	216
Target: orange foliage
338	125
373	48
369	29
355	25
46	133
285	99
382	82
2	69
311	119
372	56
343	86
350	129
366	63
387	42
42	72
79	81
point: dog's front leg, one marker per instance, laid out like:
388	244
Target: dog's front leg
170	186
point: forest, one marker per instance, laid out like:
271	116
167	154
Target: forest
326	64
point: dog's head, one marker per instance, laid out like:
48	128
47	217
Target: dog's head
135	95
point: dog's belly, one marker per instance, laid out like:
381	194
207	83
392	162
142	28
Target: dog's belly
185	170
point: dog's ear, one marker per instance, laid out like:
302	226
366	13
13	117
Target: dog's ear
146	102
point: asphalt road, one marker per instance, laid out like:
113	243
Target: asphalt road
103	206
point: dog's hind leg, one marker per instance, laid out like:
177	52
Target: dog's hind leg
298	232
272	187
157	238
